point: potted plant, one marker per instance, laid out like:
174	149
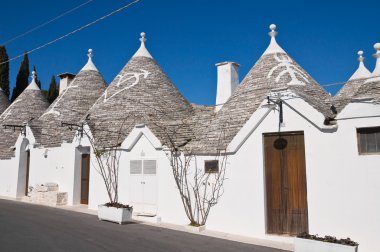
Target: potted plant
107	165
305	242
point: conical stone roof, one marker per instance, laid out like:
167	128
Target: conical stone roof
275	69
29	105
69	107
351	87
140	94
369	90
4	102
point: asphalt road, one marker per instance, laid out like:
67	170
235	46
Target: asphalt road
26	227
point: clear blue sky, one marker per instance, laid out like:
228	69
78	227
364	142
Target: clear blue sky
188	37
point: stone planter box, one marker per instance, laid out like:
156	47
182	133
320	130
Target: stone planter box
307	245
195	229
113	214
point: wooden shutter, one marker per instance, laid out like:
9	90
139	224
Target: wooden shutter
368	140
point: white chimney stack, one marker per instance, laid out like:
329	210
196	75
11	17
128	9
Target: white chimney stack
66	79
228	80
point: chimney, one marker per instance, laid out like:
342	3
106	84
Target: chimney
228	80
65	81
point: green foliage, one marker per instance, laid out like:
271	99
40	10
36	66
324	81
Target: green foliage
4	71
98	153
53	90
45	93
22	78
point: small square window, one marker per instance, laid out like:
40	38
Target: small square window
211	166
368	140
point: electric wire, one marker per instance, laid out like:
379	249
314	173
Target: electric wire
73	32
45	23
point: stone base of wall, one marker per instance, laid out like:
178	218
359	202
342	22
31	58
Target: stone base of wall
47	198
46	194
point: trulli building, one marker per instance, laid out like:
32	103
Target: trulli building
298	159
14	147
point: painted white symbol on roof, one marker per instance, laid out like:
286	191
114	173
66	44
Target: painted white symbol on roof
8	111
52	109
290	68
123	79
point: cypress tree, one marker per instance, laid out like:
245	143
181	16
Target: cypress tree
22	78
38	82
4	71
53	90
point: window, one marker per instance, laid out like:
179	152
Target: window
211	166
136	167
369	140
146	167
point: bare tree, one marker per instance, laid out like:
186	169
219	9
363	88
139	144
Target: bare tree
108	160
200	190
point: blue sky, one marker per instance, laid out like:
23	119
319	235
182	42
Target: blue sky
188	37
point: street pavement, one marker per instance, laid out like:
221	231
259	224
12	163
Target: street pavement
30	228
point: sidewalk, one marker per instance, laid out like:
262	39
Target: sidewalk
151	221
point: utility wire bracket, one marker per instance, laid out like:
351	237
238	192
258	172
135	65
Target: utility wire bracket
22	127
73	126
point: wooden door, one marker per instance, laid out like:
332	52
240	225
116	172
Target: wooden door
27	173
285	176
85	178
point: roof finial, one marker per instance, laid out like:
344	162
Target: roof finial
142	51
273	32
90	55
142	39
376	71
362	71
33	84
377	48
90	65
360	58
273	46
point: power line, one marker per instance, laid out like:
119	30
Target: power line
334	84
73	32
46	23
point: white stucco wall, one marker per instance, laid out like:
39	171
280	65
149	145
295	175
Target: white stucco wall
56	164
8	177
